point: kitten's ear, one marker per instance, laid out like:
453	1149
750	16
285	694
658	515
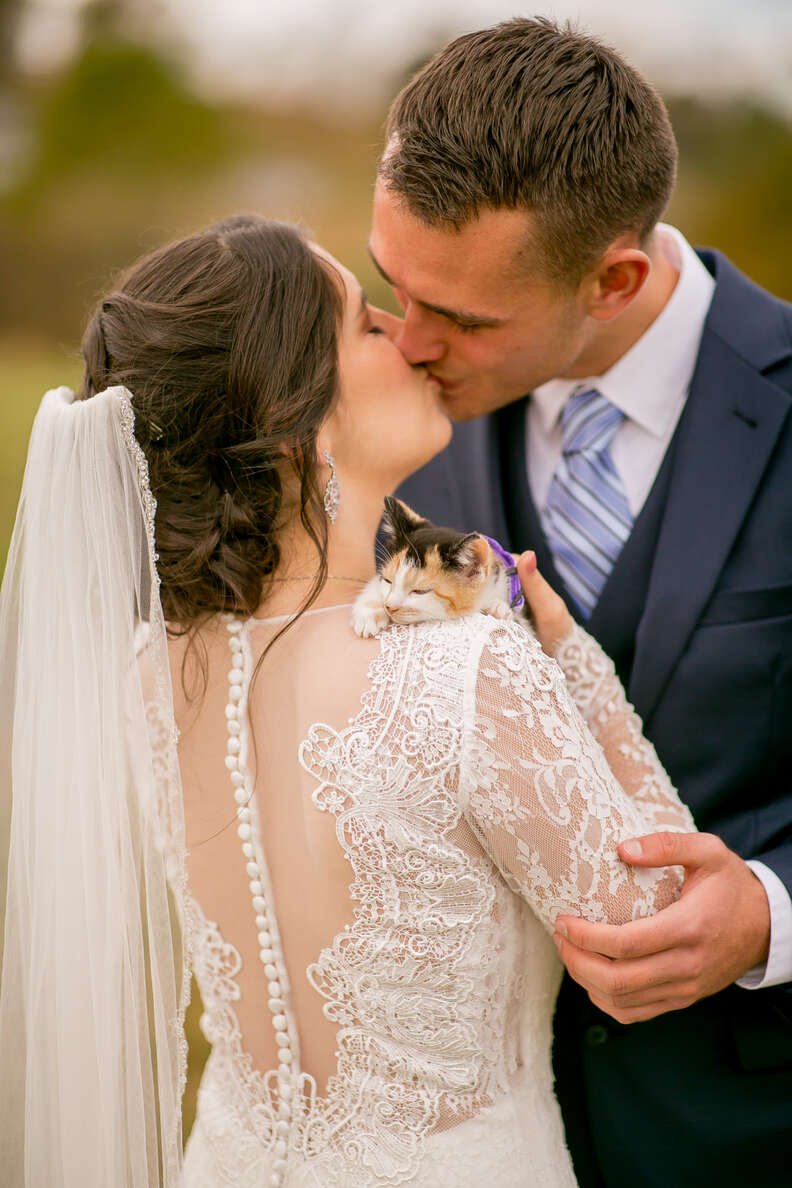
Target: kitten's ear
471	557
398	519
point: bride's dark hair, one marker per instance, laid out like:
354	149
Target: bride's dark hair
227	341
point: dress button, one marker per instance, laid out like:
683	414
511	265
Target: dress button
596	1036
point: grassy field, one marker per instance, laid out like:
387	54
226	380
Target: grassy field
199	1050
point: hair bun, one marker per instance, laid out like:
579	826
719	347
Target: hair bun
228	340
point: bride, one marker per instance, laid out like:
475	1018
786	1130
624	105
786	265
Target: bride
358	846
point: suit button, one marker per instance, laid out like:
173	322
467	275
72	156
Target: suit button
596	1036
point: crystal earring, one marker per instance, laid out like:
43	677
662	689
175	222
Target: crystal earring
332	493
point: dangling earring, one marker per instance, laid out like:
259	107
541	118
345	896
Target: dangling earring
332	493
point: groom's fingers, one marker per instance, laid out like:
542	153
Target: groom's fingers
551	618
694	851
633	991
640	1014
627	983
526	565
639	938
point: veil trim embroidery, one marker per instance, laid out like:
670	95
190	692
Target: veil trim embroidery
164	740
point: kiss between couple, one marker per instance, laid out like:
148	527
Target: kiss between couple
365	846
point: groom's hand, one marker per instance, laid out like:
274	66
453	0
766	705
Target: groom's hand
551	619
718	929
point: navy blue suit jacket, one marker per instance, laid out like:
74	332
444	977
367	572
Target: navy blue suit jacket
697	614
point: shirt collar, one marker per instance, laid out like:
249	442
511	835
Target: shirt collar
653	376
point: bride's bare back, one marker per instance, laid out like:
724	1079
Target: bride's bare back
313	673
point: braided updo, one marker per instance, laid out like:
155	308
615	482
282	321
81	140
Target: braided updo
227	341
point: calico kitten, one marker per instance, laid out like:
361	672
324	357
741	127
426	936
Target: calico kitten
434	573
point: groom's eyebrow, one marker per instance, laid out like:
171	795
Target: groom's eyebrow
454	315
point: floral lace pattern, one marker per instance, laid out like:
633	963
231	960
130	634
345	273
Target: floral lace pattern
473	805
598	694
542	794
239	1122
405	1044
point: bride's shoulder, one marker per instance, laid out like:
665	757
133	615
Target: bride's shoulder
480	644
471	634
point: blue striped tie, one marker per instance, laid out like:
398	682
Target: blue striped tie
587	518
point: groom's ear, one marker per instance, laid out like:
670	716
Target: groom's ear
618	279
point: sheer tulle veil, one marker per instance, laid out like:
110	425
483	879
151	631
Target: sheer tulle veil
94	977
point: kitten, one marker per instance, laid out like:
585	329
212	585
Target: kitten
434	573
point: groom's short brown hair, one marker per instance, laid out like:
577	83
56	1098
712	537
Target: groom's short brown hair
530	115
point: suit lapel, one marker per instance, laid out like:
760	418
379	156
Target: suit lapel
726	435
683	536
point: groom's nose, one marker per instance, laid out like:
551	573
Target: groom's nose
420	337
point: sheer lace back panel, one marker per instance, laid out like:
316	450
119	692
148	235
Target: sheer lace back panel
426	802
317	671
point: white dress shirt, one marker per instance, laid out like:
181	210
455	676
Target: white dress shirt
650	385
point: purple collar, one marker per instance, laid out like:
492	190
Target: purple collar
516	600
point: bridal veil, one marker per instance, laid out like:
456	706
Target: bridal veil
94	979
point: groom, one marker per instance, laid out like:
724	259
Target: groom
626	409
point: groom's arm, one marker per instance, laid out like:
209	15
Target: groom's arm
717	931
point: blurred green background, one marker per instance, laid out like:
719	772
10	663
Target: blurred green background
120	154
117	151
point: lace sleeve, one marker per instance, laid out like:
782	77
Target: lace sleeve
599	696
540	796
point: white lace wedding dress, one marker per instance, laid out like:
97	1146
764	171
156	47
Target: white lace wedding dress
422	806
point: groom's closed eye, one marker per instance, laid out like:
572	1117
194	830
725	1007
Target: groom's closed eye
462	320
